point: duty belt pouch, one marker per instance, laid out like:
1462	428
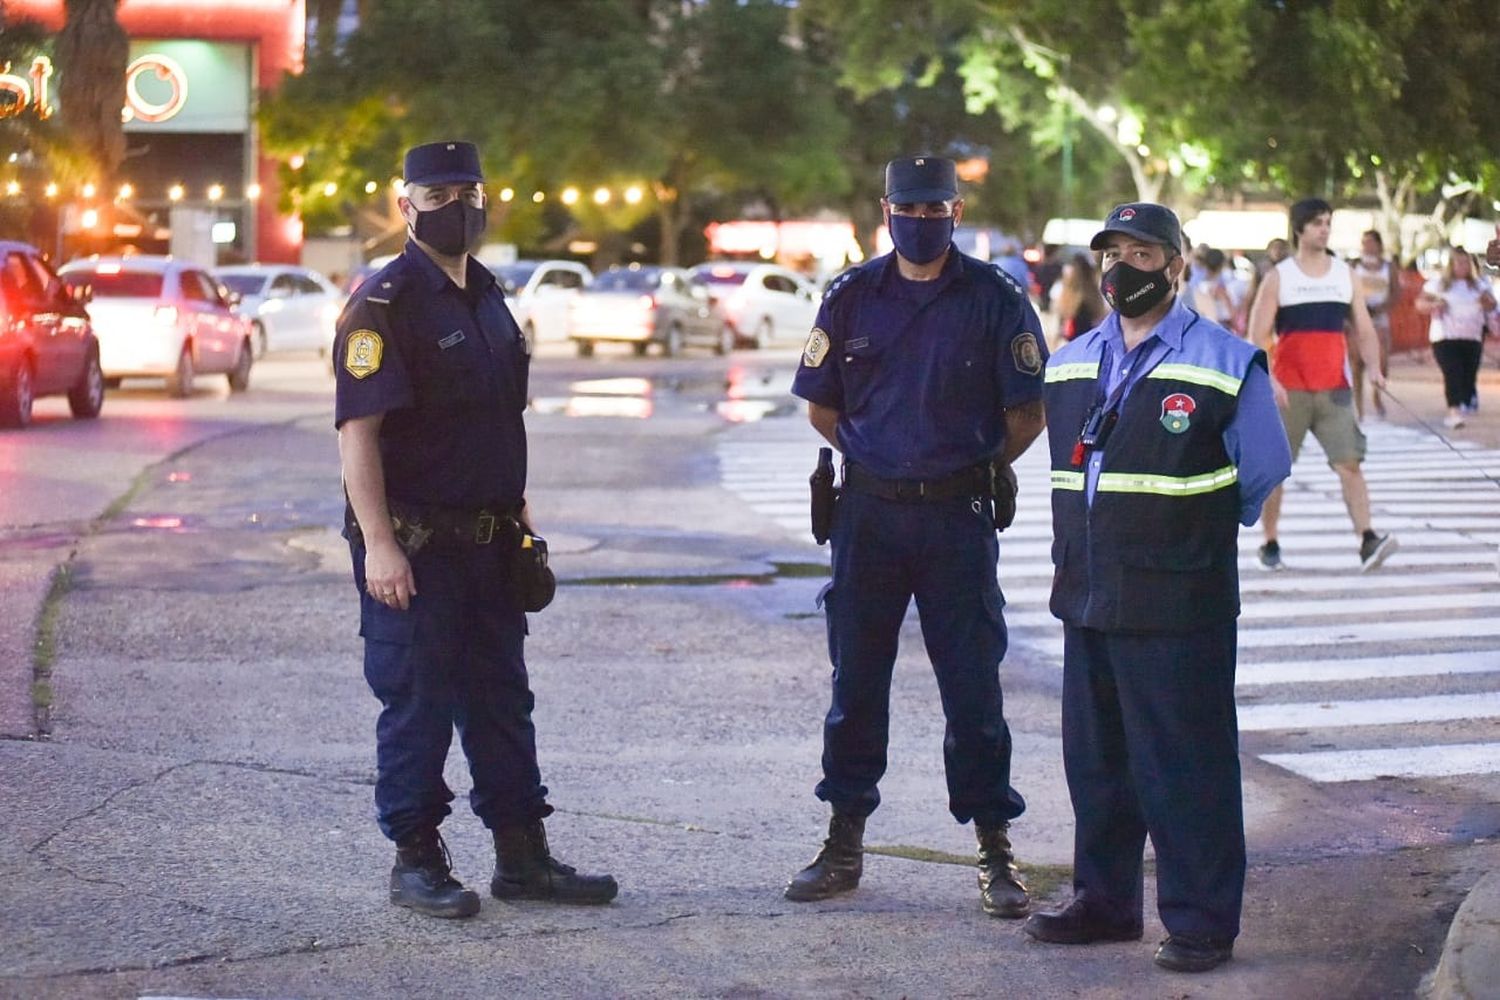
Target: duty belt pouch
824	496
532	578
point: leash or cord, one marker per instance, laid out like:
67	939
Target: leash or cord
1436	433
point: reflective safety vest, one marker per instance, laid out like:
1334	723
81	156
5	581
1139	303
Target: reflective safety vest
1157	549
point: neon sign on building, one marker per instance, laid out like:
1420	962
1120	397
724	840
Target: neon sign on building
19	93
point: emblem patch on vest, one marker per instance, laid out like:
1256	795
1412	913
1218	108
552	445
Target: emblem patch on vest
1026	354
1177	411
816	349
362	353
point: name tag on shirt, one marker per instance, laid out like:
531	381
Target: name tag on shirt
452	340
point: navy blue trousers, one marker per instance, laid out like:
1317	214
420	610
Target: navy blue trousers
944	554
1151	746
453	660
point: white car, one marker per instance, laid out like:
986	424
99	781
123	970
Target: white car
763	303
538	293
289	308
162	318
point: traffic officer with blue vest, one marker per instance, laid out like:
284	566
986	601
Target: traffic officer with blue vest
925	370
1164	439
431	385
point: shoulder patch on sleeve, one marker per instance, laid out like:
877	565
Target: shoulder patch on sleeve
816	349
1026	353
362	353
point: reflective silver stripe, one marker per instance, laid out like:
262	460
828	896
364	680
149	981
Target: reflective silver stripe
1197	376
1167	486
1062	480
1067	373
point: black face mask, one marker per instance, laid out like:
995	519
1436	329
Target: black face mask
1132	292
453	229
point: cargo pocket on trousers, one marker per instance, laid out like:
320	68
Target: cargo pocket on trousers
389	635
994	613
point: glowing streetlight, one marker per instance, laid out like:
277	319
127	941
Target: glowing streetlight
127	190
398	185
570	196
371	187
89	217
215	192
330	189
538	197
89	190
507	194
13	188
52	190
297	161
175	192
252	191
633	195
601	196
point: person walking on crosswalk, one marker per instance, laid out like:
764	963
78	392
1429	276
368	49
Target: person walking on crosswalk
1163	438
1305	302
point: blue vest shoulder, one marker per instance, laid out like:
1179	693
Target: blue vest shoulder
374	296
1209	345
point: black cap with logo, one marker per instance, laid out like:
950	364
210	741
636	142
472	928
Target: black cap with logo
1144	221
916	180
443	163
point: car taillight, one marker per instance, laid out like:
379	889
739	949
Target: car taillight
166	315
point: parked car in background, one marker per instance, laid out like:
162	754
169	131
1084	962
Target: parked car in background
289	308
763	303
646	304
47	344
162	318
538	293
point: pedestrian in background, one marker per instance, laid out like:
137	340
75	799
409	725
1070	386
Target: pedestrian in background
431	384
1459	302
1379	280
925	371
1080	307
1305	303
1164	439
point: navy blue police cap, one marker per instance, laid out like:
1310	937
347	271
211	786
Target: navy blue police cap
443	163
1144	221
915	180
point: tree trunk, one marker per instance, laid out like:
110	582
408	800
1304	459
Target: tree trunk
669	215
92	54
327	14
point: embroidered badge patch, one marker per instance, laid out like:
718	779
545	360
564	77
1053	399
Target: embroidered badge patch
1177	411
1026	354
816	349
362	352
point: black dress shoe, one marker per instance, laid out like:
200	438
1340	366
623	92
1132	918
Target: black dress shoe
1075	924
1189	954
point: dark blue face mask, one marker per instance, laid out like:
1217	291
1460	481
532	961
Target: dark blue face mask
920	240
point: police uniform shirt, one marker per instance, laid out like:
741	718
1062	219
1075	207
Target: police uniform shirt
448	367
922	372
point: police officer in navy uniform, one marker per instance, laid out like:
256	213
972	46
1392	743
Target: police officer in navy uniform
1164	439
925	371
431	385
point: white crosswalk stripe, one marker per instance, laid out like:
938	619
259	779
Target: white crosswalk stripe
1324	649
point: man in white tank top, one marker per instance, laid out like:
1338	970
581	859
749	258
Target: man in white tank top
1305	302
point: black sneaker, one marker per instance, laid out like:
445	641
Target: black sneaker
1270	556
1375	549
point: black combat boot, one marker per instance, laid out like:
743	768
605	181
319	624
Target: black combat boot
837	867
1000	887
526	869
422	878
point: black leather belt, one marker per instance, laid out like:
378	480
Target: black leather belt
450	526
971	482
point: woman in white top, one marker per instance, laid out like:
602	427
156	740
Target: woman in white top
1459	302
1380	281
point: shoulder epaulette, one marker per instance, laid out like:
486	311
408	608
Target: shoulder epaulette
841	282
379	289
